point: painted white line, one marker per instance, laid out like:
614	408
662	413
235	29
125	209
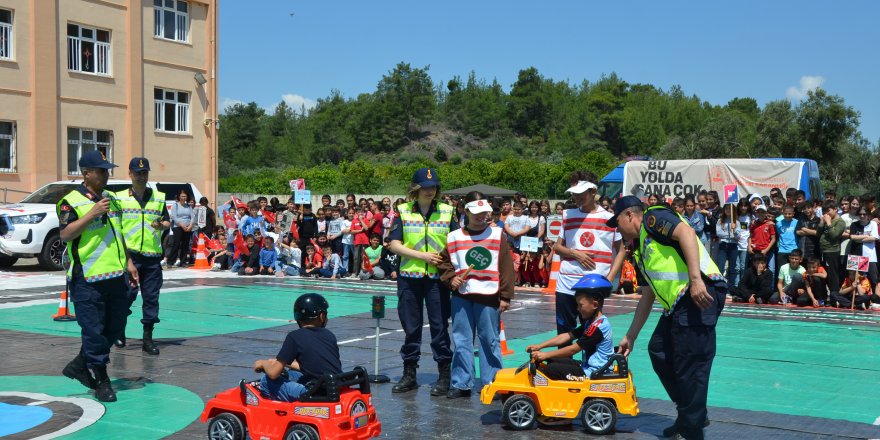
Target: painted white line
38	402
516	309
36	302
261	318
348	341
374	336
399	330
877	422
92	411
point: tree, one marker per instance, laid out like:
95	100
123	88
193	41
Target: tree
408	96
776	132
825	123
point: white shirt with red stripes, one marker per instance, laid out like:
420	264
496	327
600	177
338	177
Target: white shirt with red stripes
586	232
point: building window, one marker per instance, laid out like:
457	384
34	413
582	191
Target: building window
88	49
172	110
7	147
83	140
172	19
5	34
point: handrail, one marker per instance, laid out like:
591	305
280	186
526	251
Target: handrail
7	190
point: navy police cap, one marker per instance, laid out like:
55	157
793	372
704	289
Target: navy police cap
95	159
426	178
139	164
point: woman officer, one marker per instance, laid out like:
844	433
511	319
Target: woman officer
418	235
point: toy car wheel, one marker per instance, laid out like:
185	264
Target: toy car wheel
519	413
301	432
225	426
599	416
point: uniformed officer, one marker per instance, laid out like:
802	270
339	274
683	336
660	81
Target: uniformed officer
89	221
682	276
144	217
418	235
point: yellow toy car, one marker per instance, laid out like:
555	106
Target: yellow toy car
529	397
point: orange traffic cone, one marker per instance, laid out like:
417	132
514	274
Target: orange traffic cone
64	309
504	350
202	255
554	274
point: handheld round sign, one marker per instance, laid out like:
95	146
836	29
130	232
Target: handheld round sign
554	227
479	257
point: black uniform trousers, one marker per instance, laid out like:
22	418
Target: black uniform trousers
101	310
149	283
682	349
414	295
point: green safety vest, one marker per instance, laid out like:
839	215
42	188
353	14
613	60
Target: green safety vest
666	270
424	236
140	236
99	249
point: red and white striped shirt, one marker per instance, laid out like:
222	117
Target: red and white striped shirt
586	232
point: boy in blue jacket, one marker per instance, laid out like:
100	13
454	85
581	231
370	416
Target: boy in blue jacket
268	257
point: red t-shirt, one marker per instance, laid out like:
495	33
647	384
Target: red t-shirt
377	225
761	234
360	238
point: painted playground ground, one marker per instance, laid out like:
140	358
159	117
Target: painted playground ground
782	373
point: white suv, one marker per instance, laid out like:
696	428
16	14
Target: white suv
30	228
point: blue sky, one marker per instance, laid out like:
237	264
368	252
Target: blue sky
766	50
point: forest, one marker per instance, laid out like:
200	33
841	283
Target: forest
528	138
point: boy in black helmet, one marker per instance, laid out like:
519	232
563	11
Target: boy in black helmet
310	352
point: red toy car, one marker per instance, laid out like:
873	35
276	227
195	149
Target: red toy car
331	408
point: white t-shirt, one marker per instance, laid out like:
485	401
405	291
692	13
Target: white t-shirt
586	231
848	220
517	224
742	240
868	249
347	238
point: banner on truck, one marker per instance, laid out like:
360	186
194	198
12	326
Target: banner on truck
675	178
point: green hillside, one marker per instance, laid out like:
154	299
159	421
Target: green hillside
526	136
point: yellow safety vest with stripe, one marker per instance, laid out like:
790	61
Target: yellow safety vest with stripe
424	236
137	222
666	270
99	249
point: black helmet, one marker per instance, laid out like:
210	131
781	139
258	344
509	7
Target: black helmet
309	306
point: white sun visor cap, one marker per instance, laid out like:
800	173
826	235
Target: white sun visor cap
581	187
478	206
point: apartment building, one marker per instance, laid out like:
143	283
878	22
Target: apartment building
127	77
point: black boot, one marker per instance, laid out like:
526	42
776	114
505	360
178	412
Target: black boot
149	347
443	380
103	391
408	380
77	369
121	341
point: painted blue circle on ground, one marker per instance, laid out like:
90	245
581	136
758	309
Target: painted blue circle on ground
18	418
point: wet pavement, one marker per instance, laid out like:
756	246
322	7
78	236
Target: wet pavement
781	373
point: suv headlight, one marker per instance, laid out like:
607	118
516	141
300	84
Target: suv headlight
30	219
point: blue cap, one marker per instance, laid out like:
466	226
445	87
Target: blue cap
95	159
139	164
594	284
426	178
622	204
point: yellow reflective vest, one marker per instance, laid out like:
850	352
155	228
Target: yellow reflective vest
665	269
424	236
99	249
137	222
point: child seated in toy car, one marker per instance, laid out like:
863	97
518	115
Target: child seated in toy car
310	351
592	339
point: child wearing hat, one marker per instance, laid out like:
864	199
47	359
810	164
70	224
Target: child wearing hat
593	338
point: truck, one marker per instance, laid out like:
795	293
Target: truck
675	178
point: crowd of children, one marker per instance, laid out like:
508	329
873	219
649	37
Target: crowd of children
784	249
776	249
